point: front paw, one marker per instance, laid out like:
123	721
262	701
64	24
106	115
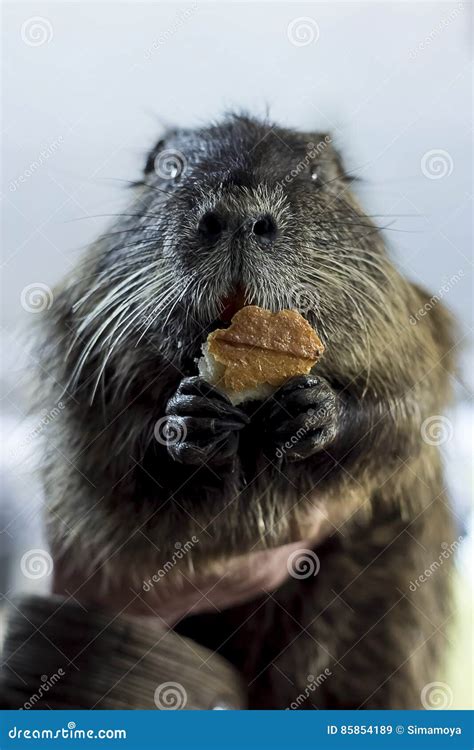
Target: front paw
304	419
202	424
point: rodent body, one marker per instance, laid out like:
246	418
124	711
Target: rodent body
247	205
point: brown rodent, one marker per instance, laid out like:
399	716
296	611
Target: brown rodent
247	212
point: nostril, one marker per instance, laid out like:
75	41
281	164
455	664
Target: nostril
211	225
265	228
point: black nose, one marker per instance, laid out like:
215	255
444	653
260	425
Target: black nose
211	226
265	228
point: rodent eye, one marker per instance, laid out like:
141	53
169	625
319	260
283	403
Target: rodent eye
315	178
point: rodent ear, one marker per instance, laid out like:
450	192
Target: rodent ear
323	148
340	165
319	146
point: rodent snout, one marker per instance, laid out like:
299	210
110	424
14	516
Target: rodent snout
211	226
263	228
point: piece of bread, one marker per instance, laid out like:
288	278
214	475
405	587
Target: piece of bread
259	352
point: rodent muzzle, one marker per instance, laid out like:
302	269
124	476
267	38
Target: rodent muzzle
212	225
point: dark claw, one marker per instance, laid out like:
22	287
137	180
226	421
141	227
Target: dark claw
301	425
301	400
202	426
204	406
195	397
306	445
213	452
298	382
206	423
304	418
197	386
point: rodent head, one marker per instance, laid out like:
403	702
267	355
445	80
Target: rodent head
238	212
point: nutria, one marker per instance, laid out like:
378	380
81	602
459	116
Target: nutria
245	212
